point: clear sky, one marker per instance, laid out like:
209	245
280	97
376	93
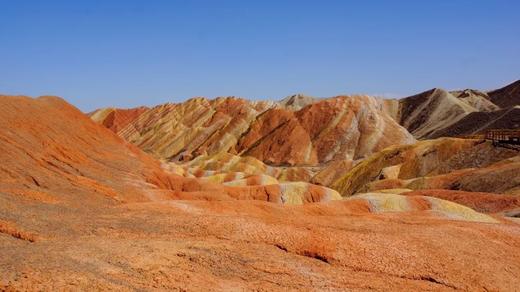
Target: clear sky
129	53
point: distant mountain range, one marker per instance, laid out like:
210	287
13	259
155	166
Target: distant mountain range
301	130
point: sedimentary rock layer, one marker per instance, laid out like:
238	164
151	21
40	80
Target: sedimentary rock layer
116	119
81	209
445	163
439	113
314	132
59	153
507	96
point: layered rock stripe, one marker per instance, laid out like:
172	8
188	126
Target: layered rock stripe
445	163
83	209
340	128
439	113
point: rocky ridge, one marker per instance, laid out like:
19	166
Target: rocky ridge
322	131
439	113
81	208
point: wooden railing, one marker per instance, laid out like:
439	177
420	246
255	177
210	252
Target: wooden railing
503	136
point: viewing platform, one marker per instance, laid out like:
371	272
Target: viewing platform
504	137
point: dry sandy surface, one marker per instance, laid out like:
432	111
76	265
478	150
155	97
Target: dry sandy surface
253	245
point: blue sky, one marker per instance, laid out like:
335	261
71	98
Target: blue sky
129	53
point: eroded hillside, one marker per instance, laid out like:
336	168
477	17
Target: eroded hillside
339	128
83	209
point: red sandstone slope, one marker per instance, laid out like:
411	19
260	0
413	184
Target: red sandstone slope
340	128
57	152
64	226
62	154
117	119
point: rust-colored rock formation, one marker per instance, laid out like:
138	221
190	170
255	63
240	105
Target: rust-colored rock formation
446	163
83	209
55	145
117	119
304	133
51	153
482	202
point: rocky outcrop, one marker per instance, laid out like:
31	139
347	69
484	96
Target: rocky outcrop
507	96
438	113
477	123
116	119
56	147
340	128
296	102
447	163
82	209
426	113
52	152
479	100
230	167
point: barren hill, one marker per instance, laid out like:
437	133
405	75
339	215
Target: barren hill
507	96
81	209
438	113
445	163
339	128
479	122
